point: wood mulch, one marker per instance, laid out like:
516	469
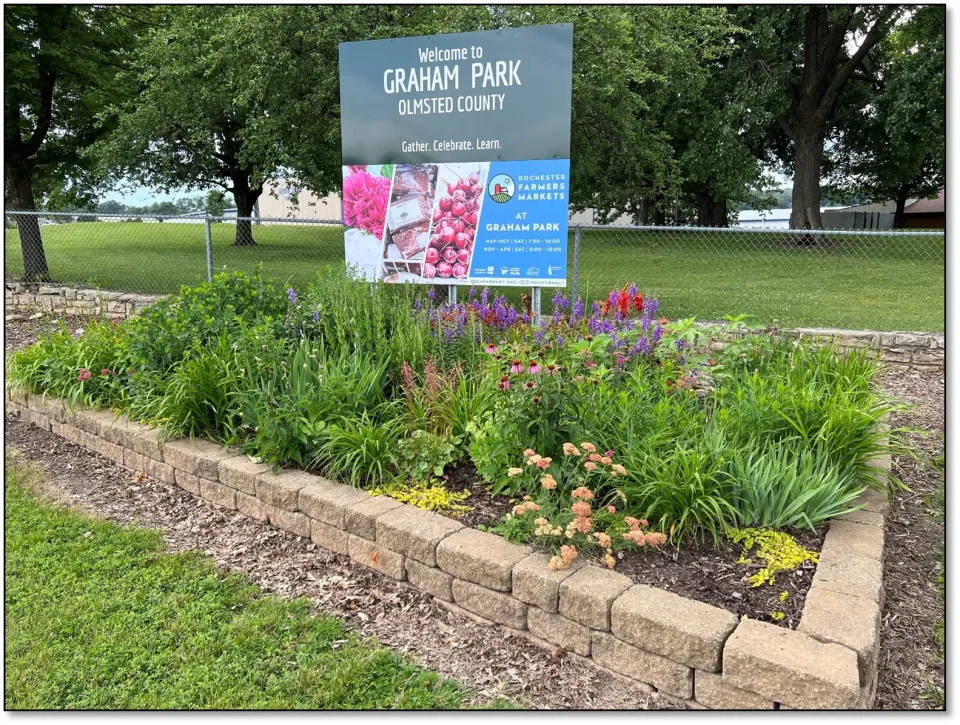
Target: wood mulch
495	663
911	664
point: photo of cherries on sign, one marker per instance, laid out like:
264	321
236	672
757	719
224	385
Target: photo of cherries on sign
455	228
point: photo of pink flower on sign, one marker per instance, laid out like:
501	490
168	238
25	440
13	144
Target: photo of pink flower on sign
365	197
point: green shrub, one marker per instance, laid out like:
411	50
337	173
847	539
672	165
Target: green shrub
160	335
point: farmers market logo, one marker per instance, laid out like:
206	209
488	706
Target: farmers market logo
501	188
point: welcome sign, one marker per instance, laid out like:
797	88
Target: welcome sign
456	156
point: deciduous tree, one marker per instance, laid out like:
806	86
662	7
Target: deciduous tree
61	64
807	65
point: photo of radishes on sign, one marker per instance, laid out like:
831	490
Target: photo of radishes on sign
456	214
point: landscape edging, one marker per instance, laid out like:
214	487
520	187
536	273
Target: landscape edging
923	350
751	664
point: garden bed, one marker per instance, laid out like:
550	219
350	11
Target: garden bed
600	613
626	548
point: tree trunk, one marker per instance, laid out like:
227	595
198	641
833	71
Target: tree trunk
710	212
31	243
898	215
805	213
245	198
644	211
659	213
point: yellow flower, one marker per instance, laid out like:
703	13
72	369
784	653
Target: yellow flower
514	472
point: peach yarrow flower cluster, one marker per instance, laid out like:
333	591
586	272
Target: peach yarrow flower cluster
597	524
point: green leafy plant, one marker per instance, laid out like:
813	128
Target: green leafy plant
422	454
788	486
88	367
159	336
361	451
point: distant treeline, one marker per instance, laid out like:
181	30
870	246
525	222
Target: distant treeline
185	205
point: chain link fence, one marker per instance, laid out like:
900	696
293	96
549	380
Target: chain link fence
838	278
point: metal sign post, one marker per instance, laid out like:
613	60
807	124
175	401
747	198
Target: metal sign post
452	294
535	305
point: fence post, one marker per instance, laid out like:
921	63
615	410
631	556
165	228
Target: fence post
576	264
209	242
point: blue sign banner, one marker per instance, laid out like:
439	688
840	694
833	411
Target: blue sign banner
522	234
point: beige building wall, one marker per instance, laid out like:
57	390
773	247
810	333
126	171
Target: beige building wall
276	203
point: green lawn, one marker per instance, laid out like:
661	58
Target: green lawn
98	617
881	282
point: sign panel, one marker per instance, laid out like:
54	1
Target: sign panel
456	156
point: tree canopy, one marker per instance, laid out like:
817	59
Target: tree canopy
895	147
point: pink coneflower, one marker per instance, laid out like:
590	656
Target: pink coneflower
530	385
552	369
491	349
534	368
504	383
516	368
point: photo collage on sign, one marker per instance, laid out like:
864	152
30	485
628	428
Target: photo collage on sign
432	220
366	196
